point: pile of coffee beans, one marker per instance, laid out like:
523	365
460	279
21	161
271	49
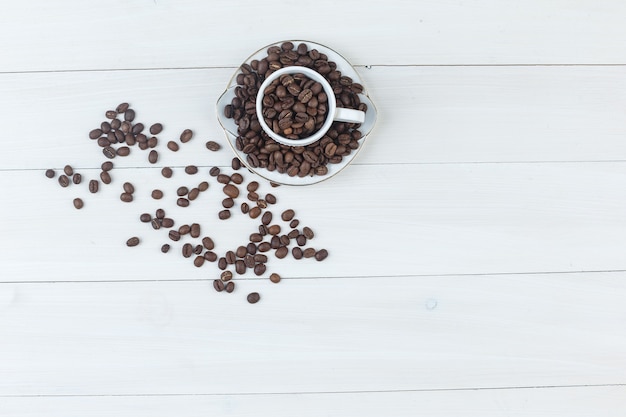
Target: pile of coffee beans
301	161
281	234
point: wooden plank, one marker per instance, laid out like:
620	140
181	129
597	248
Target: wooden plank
426	115
162	34
313	335
552	402
375	221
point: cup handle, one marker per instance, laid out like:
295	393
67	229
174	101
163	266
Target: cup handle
349	115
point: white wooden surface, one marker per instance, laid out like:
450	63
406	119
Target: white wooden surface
477	243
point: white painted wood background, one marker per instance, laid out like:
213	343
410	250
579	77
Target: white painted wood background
478	242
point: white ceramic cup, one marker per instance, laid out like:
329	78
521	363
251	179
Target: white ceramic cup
333	114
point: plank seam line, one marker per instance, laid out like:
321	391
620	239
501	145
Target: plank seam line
486	274
529	387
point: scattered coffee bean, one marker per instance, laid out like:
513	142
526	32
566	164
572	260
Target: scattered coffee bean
156	224
235	164
309	252
152	142
301	240
256	237
95	133
186	136
287	215
252	196
156	128
197	250
297	252
123	151
107	166
223	179
153	157
64	181
210	256
110	114
281	252
249	261
145	217
181	191
226	276
321	254
294	223
195	230
105	177
109	152
228	202
157	194
252	186
128	188
259	269
214	172
68	170
159	214
167	222
240	267
93	186
218	285
245	208
260	258
270	198
261	203
137	128
284	240
78	203
191	169
213	146
187	250
165	248
174	235
184	229
129	115
230	257
193	194
253	297
224	214
294	233
236	178
50	173
254	212
221	263
267	219
182	202
126	197
275	278
203	186
273	229
122	107
308	233
77	178
230	287
241	251
198	261
231	191
251	248
133	241
264	247
207	242
167	172
172	146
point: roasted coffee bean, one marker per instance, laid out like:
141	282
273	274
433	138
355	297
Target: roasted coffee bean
281	252
214	172
107	166
159	214
126	197
157	194
64	181
213	146
197	250
245	208
105	177
240	267
210	256
230	287
235	164
165	248
182	202
218	285
156	128
249	261
172	146
270	198
294	223
207	242
321	254
156	224
129	115
167	222
251	248
110	114
105	127
78	203
260	258
93	186
186	136
301	240
137	128
181	191
115	124
287	215
221	263
224	214
253	297
230	257
133	241
122	107
226	276
184	229
95	134
50	173
297	252
128	188
273	229
145	217
123	151
308	233
241	251
191	169
174	235
261	203
275	278
153	142
195	230
254	212
259	269
109	152
228	202
231	191
126	126
223	179
262	230
198	261
153	157
236	178
167	172
193	194
203	186
267	218
256	237
187	250
68	170
294	233
77	178
275	242
284	240
252	186
252	196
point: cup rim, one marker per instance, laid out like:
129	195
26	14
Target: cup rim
295	69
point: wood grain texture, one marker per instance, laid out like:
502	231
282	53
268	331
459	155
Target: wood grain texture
312	335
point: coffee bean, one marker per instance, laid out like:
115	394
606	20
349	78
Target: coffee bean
240	267
193	194
123	151
197	250
264	247
68	170
262	230
245	208
254	212
235	164
198	261
129	115
253	297
156	194
182	202
210	256
167	222
128	188
230	257
184	229
174	235
294	233
275	242
50	173
275	278
93	186
301	240
214	172
167	172
230	287
187	250
181	191
207	242
191	169
186	136
287	215
228	202
231	191
251	248
256	237
226	276
218	285
165	248
236	178
308	233
241	251
259	269
321	254
126	126
159	214
195	230
122	107
213	146
281	252
223	179
78	203
267	218
64	181
137	128
109	152
105	177
273	229
153	157
156	128
261	203
221	263
270	198
156	224
115	124
145	217
126	197
77	178
284	240
297	252
110	114
294	223
95	134
224	214
252	186
107	166
133	241
172	146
